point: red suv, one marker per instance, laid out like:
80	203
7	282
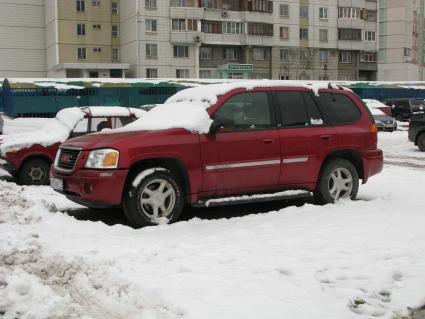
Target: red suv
28	156
263	138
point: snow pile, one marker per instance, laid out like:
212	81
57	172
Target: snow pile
208	95
190	116
107	111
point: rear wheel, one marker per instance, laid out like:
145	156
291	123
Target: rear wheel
338	180
421	142
154	196
35	172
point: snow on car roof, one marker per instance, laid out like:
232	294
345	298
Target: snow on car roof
207	95
374	106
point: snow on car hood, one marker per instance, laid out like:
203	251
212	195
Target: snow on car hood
55	131
187	115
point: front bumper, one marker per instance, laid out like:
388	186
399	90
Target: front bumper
8	166
93	187
373	163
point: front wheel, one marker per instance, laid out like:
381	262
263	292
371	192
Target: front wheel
338	180
154	196
35	172
421	142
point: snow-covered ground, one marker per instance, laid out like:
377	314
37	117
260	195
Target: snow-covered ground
351	260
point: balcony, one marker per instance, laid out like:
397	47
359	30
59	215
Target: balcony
187	37
187	12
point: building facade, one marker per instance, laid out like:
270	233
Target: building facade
283	39
401	50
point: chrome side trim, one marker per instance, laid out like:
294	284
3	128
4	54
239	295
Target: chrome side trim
243	164
294	160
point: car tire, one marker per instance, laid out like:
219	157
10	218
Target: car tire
153	196
421	142
338	180
35	172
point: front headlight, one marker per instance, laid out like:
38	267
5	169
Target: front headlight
103	158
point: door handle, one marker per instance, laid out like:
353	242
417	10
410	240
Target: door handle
268	141
325	137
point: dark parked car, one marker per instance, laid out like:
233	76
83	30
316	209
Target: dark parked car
403	109
417	131
261	139
383	121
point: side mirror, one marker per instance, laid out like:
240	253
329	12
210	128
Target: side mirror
220	123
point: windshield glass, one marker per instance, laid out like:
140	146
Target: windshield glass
418	103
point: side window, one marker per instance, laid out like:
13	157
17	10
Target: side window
99	123
313	111
340	108
292	108
248	111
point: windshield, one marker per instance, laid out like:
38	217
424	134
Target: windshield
418	103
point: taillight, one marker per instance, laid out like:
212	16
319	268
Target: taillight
374	136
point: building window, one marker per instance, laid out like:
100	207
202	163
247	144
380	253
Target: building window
350	34
97	27
303	11
97	50
257	5
230	54
407	52
182	73
192	25
209	26
323	56
368	56
323	35
205	74
349	13
303	55
284	55
82	53
178	25
261	54
81	6
372	16
95	3
231	27
258	28
303	34
284	10
115	54
207	4
150	3
345	57
81	29
206	53
151	25
323	13
369	36
114	8
151	50
181	51
178	3
151	73
115	31
284	33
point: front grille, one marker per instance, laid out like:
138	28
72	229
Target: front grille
67	158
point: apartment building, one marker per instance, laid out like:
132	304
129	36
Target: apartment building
401	50
282	39
22	38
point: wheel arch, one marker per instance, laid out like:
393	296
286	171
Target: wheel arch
419	134
35	156
349	154
175	165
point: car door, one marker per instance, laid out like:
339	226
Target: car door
247	154
305	139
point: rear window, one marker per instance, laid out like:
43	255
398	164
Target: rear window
340	108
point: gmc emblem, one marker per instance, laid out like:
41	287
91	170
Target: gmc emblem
65	158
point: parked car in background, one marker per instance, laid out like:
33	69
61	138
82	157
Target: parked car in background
383	121
403	109
28	155
417	130
212	142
